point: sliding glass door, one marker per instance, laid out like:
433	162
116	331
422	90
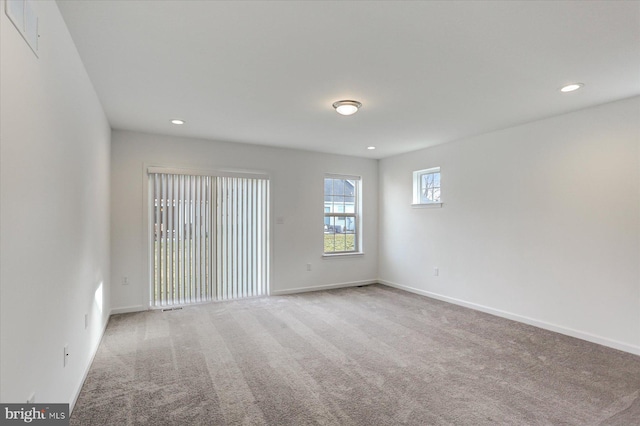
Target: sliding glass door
210	238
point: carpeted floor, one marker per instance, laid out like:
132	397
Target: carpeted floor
360	356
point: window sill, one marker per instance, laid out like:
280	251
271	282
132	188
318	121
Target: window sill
427	206
332	255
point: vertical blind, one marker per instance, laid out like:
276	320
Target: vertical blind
210	238
242	249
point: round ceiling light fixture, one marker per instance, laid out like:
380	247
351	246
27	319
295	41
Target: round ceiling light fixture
347	107
177	121
571	87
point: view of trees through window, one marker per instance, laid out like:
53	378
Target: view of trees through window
426	186
430	188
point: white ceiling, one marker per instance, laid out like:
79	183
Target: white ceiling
426	72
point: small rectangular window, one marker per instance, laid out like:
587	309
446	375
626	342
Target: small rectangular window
426	186
341	214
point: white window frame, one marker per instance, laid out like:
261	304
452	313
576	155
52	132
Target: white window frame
417	188
356	215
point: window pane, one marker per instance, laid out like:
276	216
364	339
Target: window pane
349	204
350	224
329	243
328	204
350	187
338	187
328	188
332	225
424	195
429	187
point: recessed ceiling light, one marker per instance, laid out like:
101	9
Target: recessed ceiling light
347	107
177	121
371	147
571	87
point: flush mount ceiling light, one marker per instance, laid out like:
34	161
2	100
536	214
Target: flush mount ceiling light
177	121
371	147
347	107
571	87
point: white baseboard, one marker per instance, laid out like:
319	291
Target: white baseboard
128	309
526	320
321	287
87	368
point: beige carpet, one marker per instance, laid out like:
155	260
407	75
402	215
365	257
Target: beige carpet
360	356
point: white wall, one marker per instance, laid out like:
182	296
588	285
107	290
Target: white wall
54	226
540	223
296	196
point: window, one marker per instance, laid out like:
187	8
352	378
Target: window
341	214
426	186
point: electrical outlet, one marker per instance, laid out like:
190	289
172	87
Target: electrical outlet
86	321
308	266
32	398
436	272
125	280
66	355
